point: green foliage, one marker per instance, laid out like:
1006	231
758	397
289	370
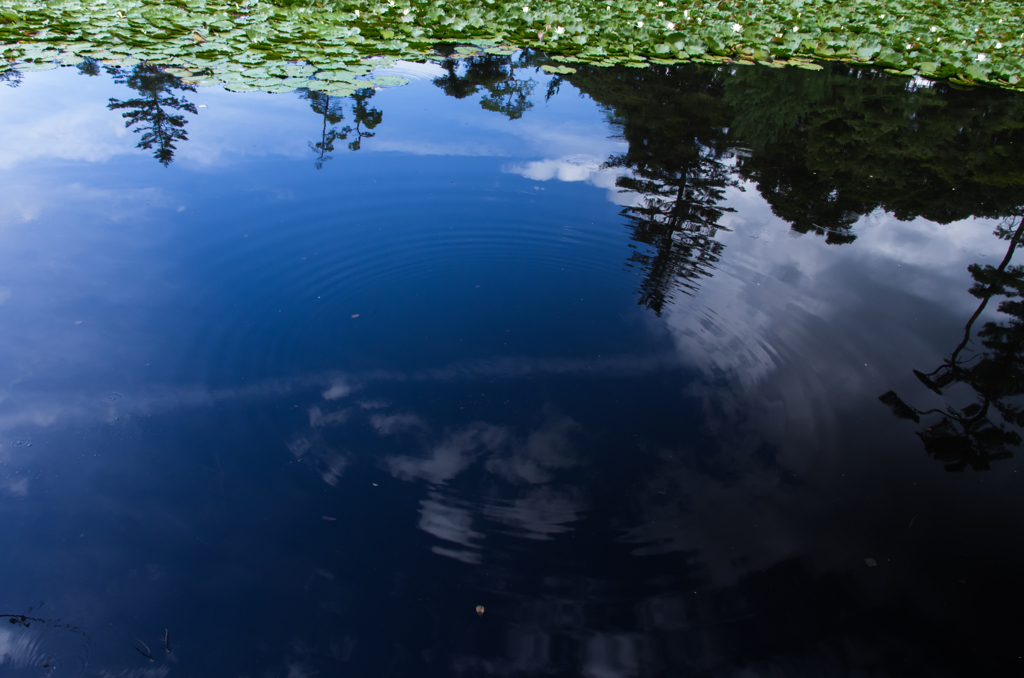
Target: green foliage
271	45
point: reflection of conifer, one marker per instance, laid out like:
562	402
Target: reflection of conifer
331	109
967	436
152	112
507	92
675	125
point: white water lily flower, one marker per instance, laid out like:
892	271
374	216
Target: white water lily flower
933	29
982	57
639	24
796	29
670	25
405	11
526	9
881	16
736	28
699	20
686	14
999	45
357	13
909	46
661	4
560	30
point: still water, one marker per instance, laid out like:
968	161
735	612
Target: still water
691	371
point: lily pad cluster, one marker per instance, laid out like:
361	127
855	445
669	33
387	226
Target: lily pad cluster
334	46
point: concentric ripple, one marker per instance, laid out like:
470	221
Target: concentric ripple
289	281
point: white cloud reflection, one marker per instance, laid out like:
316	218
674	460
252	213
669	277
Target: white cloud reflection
574	168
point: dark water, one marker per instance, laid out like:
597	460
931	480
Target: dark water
626	358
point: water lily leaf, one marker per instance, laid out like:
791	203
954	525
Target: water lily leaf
389	81
941	40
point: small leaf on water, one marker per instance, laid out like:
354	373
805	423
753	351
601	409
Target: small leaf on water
480	610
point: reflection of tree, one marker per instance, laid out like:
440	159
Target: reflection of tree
831	146
507	92
332	111
152	112
366	118
967	436
676	127
11	77
824	149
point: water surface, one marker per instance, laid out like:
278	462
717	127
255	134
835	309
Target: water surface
677	371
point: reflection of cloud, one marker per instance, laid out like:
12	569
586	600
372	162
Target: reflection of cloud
538	515
317	418
389	424
17	488
577	168
468	557
20	408
300	670
145	672
611	655
18	649
446	522
339	389
329	463
734	519
84	131
544	450
451	456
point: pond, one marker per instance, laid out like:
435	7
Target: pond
511	371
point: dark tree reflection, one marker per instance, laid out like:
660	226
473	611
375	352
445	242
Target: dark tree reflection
676	127
332	111
827	148
500	77
11	77
156	112
968	436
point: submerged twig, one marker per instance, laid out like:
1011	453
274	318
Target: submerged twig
147	653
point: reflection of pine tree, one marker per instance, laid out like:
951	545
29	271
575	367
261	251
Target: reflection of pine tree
331	109
967	436
507	92
675	126
152	111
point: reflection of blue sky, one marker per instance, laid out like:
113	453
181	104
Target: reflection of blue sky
217	302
